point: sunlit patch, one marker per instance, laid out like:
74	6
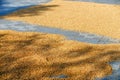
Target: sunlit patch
101	1
72	35
31	55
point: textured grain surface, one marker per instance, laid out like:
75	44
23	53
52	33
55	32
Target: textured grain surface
25	55
71	35
90	17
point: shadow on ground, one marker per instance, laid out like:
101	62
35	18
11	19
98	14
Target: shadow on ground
10	6
33	11
42	56
29	12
